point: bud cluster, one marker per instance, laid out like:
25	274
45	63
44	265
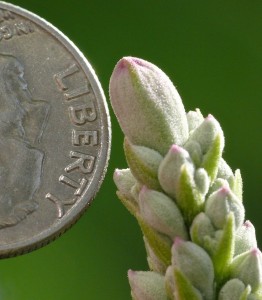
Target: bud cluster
185	197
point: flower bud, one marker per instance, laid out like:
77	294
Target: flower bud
196	265
233	290
147	105
124	181
202	181
170	169
210	137
248	268
201	229
194	119
234	180
224	171
245	238
144	164
160	212
195	152
206	133
220	204
147	285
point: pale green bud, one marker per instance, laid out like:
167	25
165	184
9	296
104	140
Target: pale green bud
219	244
248	268
160	212
220	204
206	133
201	229
196	265
210	137
232	290
195	152
144	164
124	181
234	180
194	119
202	181
147	285
147	105
224	171
170	169
245	238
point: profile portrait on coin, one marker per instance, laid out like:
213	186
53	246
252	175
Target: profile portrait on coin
22	123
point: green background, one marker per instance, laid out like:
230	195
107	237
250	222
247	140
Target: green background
212	50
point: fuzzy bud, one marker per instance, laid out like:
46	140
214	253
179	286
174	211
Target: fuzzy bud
144	164
232	290
245	238
170	169
248	268
196	265
147	285
220	204
194	119
160	212
147	105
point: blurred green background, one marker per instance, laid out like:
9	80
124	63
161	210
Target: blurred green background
212	50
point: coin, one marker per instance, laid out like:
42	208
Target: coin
54	132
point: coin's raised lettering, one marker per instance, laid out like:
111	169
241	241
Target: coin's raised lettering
8	31
60	204
23	28
59	77
81	114
69	93
83	163
6	15
76	93
84	137
79	186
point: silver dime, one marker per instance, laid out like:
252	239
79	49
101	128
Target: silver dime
54	132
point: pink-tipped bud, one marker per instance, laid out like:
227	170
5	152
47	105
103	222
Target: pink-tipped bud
243	264
170	169
147	105
195	264
161	213
220	204
245	238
